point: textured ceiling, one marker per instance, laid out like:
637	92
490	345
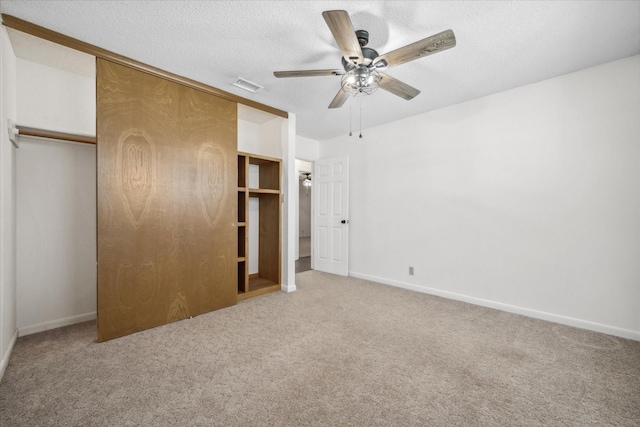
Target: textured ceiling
500	45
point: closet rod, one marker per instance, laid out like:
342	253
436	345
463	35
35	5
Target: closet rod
43	133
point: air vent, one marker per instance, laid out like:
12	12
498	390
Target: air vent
247	85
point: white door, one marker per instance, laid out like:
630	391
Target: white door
331	216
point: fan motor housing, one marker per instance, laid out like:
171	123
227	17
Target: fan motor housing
368	55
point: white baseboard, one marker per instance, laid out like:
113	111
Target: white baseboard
7	354
58	323
288	288
543	315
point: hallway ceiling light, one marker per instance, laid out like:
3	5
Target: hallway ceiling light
307	181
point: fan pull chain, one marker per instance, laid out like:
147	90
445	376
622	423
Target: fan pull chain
360	118
350	120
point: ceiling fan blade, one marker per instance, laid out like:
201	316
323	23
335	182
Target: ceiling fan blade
397	87
434	44
308	73
339	100
340	25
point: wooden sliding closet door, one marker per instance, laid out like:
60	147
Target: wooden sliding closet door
167	204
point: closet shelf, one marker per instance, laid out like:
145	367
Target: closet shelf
263	191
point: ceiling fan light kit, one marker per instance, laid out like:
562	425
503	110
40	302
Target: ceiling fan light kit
362	65
361	81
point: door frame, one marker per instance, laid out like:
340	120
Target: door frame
297	252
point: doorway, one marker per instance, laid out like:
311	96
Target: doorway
305	181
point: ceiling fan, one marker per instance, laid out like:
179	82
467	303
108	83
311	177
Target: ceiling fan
362	66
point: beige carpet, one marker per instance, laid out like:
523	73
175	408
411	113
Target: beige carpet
336	352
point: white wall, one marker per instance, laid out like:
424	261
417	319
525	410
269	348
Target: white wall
56	234
253	221
261	139
289	204
8	325
54	99
307	149
526	200
248	136
271	134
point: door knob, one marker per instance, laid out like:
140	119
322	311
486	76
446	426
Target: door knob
345	221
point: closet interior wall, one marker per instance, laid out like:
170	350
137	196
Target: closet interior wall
55	233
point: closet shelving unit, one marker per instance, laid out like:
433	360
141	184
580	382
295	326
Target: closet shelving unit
267	190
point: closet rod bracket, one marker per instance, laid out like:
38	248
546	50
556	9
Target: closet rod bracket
13	133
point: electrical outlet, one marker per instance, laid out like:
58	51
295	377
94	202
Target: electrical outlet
410	271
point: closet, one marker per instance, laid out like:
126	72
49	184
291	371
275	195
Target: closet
259	179
171	240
